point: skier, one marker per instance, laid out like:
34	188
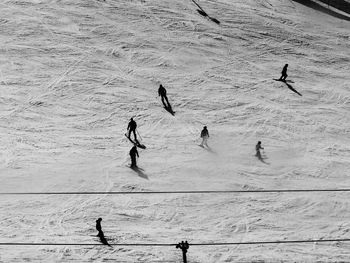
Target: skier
204	136
162	94
133	153
257	148
184	246
98	225
284	73
132	128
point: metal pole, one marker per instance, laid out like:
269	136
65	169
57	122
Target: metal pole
138	133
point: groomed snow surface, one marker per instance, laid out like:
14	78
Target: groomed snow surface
73	73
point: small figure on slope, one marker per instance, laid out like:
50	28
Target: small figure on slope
284	73
257	148
133	153
184	246
132	128
98	225
162	94
204	136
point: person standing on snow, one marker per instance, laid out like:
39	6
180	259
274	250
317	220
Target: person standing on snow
132	128
204	136
257	148
98	225
162	94
284	73
133	153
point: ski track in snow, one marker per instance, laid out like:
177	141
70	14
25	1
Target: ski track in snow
73	73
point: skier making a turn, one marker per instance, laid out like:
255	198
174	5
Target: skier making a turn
204	136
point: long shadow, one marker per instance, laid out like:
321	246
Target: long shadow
343	5
169	109
208	149
322	9
203	13
261	159
289	86
140	172
102	238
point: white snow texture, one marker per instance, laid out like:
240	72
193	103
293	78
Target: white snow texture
72	74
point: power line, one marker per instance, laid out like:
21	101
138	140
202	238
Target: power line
273	242
83	244
169	244
179	192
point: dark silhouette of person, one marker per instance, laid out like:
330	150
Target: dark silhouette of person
257	148
133	153
132	128
102	238
284	73
184	246
98	225
162	94
204	136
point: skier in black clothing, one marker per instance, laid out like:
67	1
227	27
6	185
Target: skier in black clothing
204	136
162	94
132	128
98	225
184	246
133	153
257	148
284	73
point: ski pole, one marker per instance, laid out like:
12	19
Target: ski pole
139	134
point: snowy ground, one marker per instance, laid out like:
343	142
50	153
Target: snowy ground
72	73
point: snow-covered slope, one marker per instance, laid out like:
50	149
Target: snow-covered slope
72	73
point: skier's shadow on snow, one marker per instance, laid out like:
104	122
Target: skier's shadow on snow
140	172
291	88
262	159
169	109
323	9
208	149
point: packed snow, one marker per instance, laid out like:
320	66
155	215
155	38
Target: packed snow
73	73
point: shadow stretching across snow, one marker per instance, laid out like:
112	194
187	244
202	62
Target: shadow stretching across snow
169	109
261	159
209	149
318	7
291	88
140	172
343	5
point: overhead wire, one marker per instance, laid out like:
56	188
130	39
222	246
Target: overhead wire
173	244
178	192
